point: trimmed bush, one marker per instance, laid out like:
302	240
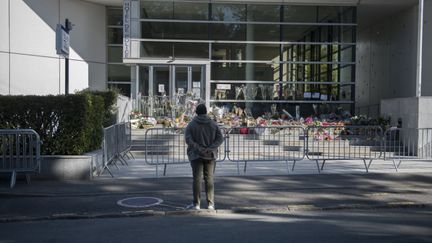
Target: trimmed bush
110	98
67	125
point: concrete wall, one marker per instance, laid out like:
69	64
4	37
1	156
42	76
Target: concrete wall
427	50
386	59
28	60
415	112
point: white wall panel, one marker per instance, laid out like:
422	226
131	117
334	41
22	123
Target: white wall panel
97	76
88	36
4	73
33	26
34	75
4	25
78	76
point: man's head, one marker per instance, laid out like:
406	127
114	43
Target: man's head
201	109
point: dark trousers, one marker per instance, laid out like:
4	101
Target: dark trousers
202	167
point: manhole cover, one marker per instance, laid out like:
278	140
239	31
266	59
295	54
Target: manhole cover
139	202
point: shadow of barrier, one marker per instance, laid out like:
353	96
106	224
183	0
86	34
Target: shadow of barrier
19	153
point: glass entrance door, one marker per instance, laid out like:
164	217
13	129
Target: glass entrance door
170	86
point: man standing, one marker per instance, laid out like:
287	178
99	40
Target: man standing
203	138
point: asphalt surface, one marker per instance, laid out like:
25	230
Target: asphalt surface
395	225
44	200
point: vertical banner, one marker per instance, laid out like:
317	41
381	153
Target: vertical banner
126	28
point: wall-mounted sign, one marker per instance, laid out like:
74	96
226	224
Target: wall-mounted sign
196	84
223	86
161	88
62	41
126	28
316	95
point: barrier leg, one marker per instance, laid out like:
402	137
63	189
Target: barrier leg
288	170
293	165
106	168
115	164
370	162
27	176
398	165
245	165
129	152
157	170
395	166
238	168
13	179
165	167
124	162
366	167
318	167
322	166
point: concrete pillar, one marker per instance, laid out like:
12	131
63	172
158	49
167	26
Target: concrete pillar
250	55
420	49
427	49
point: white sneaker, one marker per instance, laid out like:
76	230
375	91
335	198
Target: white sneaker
211	207
193	207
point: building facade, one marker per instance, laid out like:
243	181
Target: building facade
315	57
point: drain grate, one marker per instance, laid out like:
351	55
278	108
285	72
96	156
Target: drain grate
139	202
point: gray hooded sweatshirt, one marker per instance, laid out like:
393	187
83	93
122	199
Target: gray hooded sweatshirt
203	137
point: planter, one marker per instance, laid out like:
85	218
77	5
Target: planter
70	167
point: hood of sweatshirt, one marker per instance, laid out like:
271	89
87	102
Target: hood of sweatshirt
202	119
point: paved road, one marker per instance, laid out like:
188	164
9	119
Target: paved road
51	199
403	225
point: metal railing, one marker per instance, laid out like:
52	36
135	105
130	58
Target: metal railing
256	144
167	146
407	144
117	142
19	153
343	143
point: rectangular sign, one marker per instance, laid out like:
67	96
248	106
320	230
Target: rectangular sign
62	41
126	28
161	88
223	86
196	84
316	95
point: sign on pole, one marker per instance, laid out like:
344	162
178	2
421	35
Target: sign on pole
62	41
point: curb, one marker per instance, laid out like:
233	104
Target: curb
242	210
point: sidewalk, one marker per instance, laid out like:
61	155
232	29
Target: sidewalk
282	193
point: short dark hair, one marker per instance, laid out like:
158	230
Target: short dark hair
201	109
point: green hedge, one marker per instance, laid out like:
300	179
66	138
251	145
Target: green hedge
67	125
109	98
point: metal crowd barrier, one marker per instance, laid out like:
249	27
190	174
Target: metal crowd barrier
343	143
270	143
117	142
167	146
19	153
407	144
